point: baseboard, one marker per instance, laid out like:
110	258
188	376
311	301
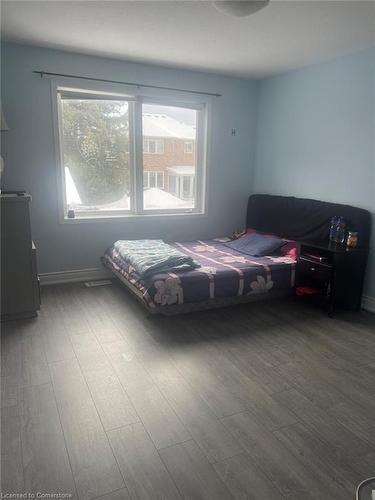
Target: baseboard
368	303
90	274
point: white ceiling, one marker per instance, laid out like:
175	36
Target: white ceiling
192	34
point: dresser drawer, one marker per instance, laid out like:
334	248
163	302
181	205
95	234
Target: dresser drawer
314	270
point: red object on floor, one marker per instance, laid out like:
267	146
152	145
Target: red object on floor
306	290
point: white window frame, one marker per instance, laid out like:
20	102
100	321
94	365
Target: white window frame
82	214
136	151
201	154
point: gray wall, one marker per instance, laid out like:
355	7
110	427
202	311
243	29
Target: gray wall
30	161
316	136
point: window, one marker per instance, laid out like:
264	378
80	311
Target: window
153	179
188	147
182	186
118	155
153	146
176	123
95	136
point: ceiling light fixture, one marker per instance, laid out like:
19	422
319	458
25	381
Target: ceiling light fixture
241	8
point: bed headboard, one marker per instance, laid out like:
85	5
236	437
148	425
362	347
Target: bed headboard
304	219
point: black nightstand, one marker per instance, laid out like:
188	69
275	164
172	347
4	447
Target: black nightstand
335	270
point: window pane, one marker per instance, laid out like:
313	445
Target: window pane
152	179
188	147
96	154
172	184
145	179
166	132
160	182
187	185
159	146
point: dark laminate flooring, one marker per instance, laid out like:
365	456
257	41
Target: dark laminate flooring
266	401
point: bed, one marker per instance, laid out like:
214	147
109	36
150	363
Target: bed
225	276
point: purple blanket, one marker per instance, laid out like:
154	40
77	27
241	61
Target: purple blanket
224	272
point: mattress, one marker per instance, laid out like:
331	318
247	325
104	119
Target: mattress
224	272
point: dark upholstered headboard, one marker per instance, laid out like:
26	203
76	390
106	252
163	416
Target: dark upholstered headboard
303	219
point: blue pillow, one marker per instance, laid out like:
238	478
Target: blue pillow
256	244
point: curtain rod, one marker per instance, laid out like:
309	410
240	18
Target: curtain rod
43	73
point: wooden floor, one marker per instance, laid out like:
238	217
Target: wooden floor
265	401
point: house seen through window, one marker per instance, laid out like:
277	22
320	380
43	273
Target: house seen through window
100	167
173	126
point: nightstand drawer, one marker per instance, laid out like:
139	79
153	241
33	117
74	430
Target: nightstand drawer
315	270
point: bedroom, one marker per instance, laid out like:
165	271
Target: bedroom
199	124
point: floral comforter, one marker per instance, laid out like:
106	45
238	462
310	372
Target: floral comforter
224	272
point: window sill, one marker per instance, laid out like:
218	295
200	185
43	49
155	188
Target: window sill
122	218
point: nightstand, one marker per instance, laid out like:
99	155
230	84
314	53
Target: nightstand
335	270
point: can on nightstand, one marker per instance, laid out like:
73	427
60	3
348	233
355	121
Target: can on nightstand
352	239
